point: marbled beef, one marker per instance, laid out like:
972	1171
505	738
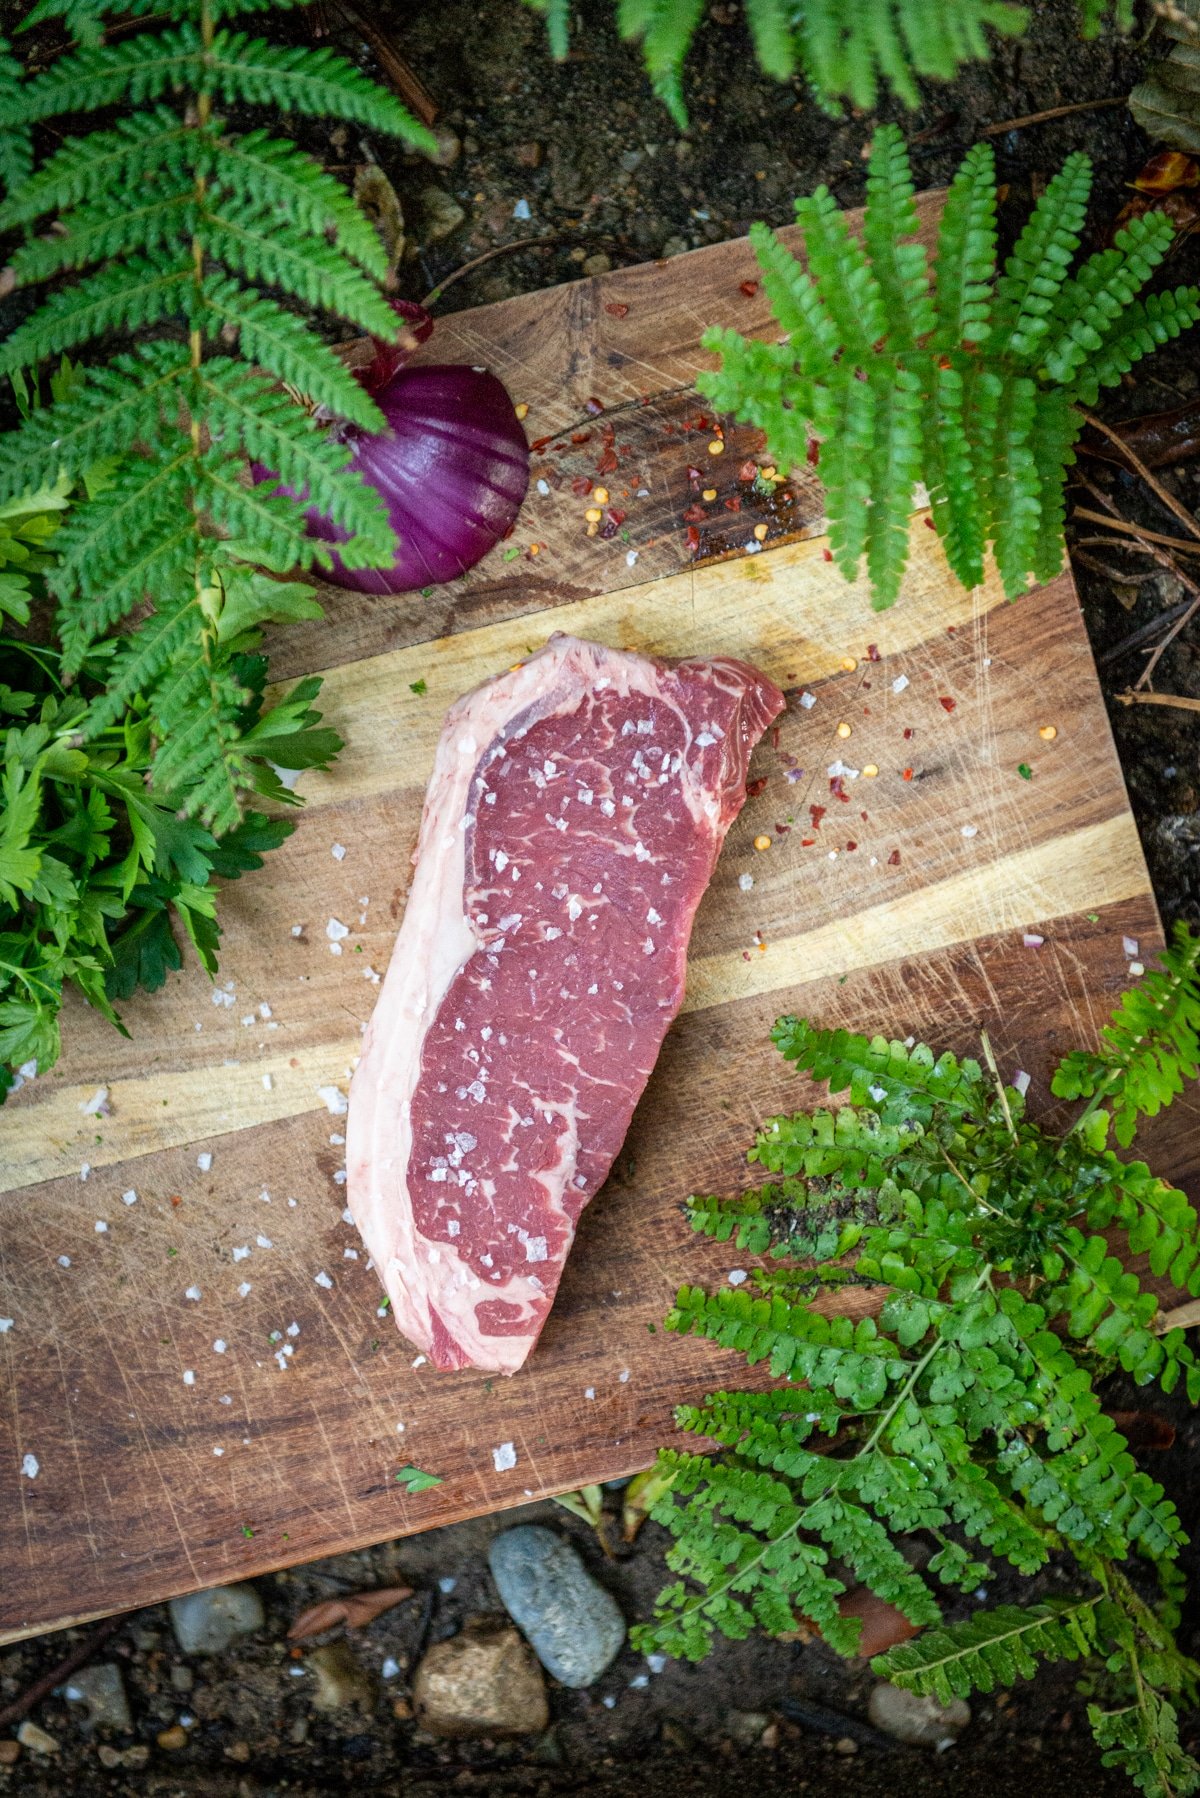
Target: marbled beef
577	807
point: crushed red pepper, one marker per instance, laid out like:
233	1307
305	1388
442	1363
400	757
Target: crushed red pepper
617	309
947	704
749	288
894	859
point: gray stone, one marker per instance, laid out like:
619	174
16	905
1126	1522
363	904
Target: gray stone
482	1682
675	246
207	1622
599	264
922	1722
573	1624
341	1679
746	1727
102	1690
449	147
441	214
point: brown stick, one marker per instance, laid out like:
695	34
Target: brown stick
1052	112
1142	635
1168	561
1132	697
404	79
1139	467
1137	530
61	1670
500	249
1181	1318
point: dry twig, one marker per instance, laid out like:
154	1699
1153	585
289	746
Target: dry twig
1051	112
1132	697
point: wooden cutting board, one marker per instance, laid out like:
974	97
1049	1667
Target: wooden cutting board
195	1361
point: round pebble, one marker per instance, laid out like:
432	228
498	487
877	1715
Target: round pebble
573	1625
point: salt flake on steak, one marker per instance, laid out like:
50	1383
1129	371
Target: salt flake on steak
576	811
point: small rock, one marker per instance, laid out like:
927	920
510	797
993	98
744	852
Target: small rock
922	1722
298	1731
182	1678
342	1680
674	246
30	1736
769	1738
678	1736
101	1689
449	147
599	264
239	1752
137	1756
529	154
630	159
207	1622
441	214
108	1756
574	1625
172	1739
846	1745
483	1682
10	1752
401	1709
746	1727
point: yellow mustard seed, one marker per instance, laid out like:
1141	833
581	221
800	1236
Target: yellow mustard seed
760	531
716	447
848	664
870	771
522	411
761	843
593	515
709	493
1048	733
843	729
600	495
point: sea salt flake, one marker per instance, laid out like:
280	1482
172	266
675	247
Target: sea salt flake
504	1457
101	1227
267	1082
97	1105
220	1345
6	1324
899	684
589	1392
241	1252
335	930
193	1293
1032	941
1130	945
970	830
204	1160
447	1584
189	1376
334	1099
338	851
1136	968
264	1242
623	1376
737	1276
656	1662
1020	1081
30	1467
390	1668
322	1279
244	1289
64	1261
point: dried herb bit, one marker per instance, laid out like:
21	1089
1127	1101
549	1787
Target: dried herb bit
971	382
968	1408
418	686
415	1479
1024	770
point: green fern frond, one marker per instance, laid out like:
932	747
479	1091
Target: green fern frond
261	169
971	390
666	29
268	250
1148	1050
1143	1740
110	228
154	142
146	290
104	417
992	1648
16	146
557	14
279	341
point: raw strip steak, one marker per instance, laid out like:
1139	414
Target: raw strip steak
577	807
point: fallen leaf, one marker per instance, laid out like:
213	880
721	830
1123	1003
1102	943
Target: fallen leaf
1144	1429
415	1479
883	1626
1166	104
1165	172
354	1609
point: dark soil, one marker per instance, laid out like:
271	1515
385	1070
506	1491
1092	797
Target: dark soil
602	168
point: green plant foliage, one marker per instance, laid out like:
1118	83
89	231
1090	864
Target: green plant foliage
101	874
970	381
187	244
848	50
966	1405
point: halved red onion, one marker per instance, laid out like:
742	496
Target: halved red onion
452	468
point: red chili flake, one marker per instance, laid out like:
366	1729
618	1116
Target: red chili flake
617	309
907	734
749	288
852	847
863	816
813	453
947	704
837	787
782	830
695	515
559	447
872	652
807	842
509	531
176	1199
703	423
755	787
828	554
775	738
816	813
608	463
748	471
745	955
593	405
581	436
907	774
894	859
734	504
929	525
693	538
539	443
618	517
608	529
582	485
